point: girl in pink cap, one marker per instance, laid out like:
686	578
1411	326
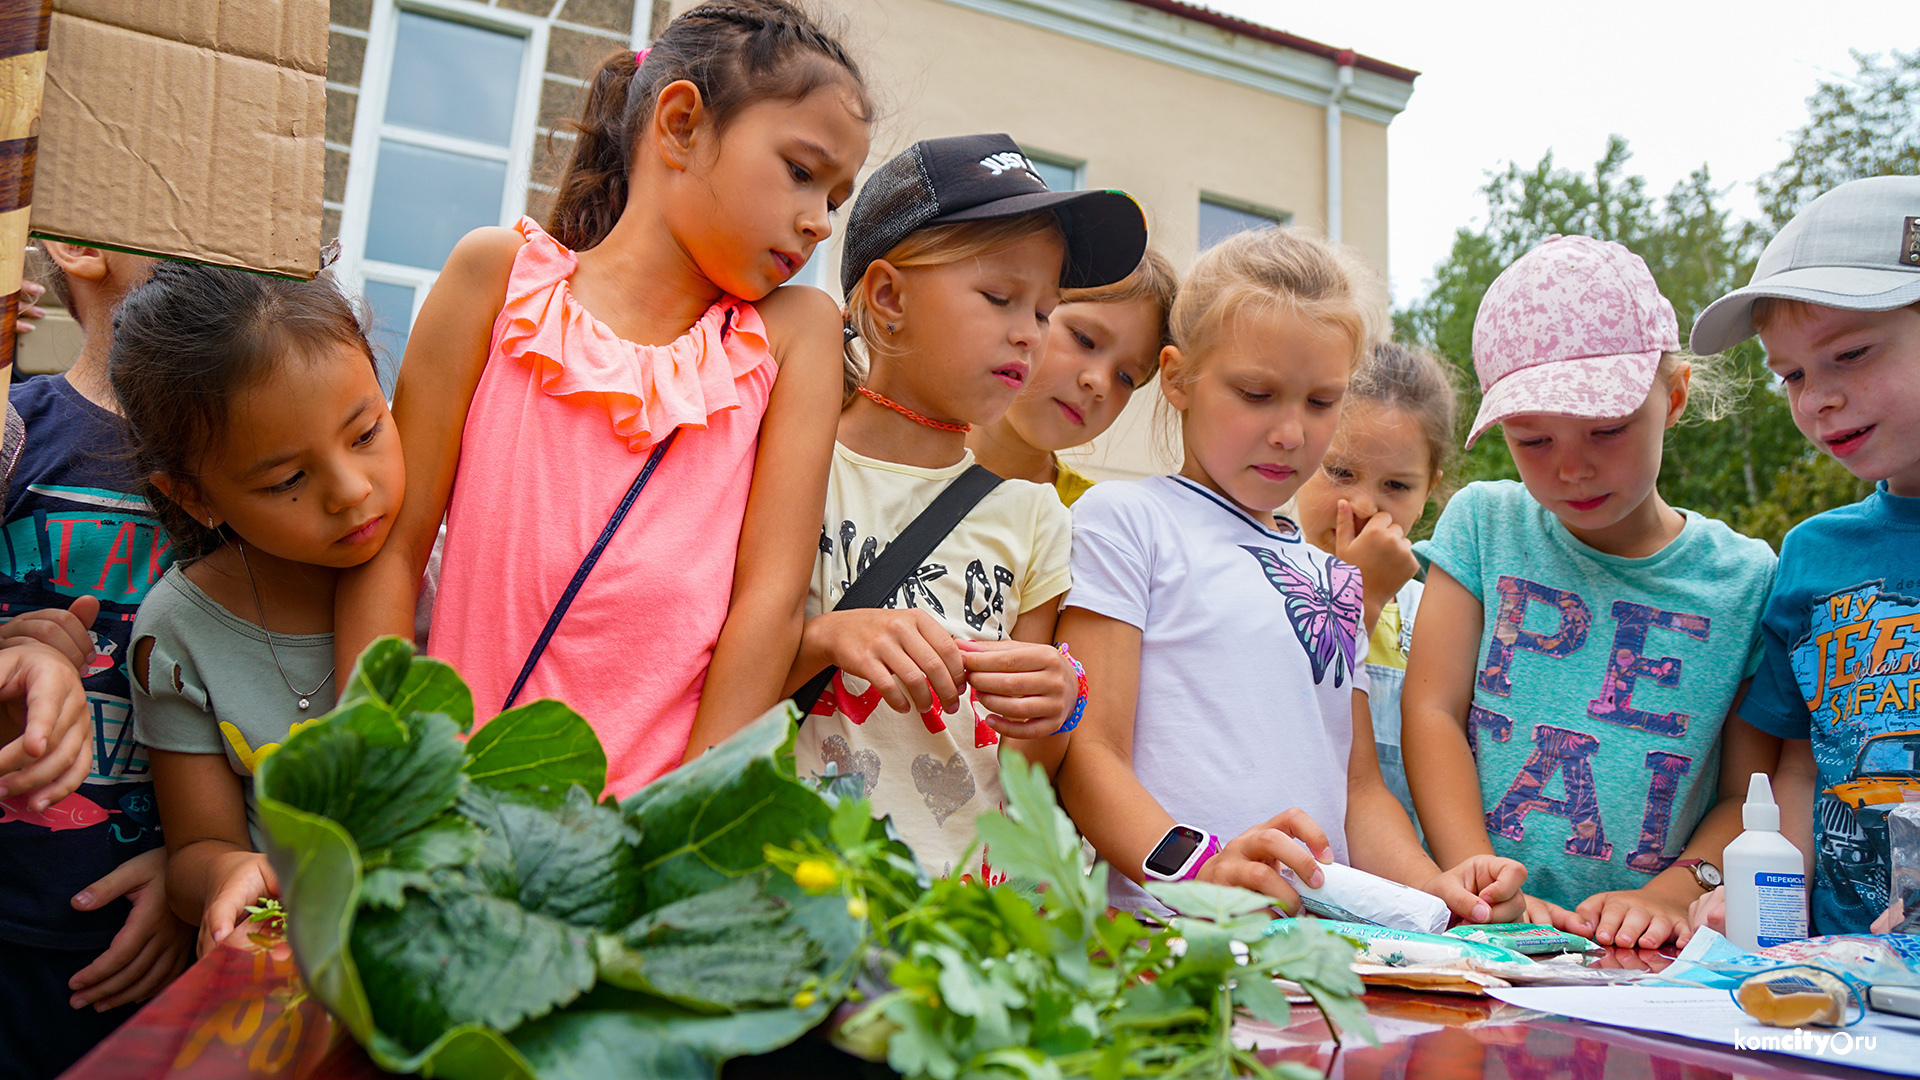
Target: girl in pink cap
1581	643
597	406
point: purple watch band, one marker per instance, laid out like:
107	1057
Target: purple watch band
1208	852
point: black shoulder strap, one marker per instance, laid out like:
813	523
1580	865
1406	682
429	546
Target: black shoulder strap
904	555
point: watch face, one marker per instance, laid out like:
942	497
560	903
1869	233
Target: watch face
1709	875
1170	855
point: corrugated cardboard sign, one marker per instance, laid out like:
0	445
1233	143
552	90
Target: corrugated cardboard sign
186	128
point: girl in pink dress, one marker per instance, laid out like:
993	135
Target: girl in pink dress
548	367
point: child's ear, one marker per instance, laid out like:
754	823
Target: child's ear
184	493
677	118
85	263
1677	385
1171	362
886	289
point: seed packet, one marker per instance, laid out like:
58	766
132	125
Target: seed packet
1533	939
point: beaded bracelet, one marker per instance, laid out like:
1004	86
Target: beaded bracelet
1080	703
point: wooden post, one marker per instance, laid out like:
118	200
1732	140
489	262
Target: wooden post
23	74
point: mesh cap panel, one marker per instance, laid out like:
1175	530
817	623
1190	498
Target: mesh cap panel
896	200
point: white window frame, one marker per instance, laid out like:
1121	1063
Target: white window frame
1078	166
369	128
1244	206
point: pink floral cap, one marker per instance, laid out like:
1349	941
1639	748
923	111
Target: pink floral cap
1574	327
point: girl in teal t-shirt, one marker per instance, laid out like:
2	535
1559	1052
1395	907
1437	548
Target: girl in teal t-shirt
1581	643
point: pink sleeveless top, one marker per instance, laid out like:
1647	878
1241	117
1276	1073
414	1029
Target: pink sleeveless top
561	423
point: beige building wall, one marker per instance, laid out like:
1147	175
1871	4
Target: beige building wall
1157	128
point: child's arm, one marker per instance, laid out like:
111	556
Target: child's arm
213	873
762	633
906	653
45	735
1434	707
1381	840
1028	684
152	946
1115	812
62	629
1655	913
446	352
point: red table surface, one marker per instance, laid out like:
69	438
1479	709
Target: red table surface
243	1012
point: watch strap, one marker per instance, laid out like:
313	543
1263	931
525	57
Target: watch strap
1211	849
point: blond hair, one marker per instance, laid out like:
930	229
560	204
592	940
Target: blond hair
936	245
1714	390
1266	270
1154	280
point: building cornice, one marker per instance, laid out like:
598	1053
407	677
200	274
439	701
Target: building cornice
1299	69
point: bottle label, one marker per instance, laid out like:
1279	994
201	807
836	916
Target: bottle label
1781	900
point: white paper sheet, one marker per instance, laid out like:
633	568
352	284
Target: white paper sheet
1881	1042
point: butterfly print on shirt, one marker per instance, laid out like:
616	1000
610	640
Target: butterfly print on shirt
1326	613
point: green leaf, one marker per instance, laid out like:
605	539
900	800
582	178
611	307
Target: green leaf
852	823
432	686
1032	838
466	958
618	1033
574	861
379	673
380	779
543	746
1258	995
720	951
319	870
1205	900
446	843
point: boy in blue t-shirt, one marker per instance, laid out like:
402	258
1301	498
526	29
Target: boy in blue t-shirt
85	931
1835	299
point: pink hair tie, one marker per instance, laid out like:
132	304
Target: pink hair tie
641	56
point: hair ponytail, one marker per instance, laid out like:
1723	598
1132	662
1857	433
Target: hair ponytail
735	52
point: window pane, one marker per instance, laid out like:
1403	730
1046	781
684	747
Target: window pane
454	79
1218	222
426	200
1058	177
392	311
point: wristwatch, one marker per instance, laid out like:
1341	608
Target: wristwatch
1704	872
1180	853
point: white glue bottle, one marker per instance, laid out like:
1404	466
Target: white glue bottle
1766	876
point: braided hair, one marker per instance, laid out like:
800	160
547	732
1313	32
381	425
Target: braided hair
736	52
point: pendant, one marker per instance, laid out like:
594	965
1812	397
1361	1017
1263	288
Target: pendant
303	703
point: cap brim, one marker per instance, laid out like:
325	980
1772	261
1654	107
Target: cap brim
1591	387
1106	230
1728	321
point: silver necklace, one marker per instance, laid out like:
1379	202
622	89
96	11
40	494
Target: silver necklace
275	653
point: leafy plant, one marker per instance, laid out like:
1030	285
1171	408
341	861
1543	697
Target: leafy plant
470	910
1032	978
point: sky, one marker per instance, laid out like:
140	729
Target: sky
1686	82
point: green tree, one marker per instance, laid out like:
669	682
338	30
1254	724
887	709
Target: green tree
1865	126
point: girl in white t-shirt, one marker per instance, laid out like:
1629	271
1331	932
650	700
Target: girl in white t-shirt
1227	714
955	256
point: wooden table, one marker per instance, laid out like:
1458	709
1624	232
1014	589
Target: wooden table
242	1012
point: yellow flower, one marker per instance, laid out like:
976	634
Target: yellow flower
804	999
815	875
857	906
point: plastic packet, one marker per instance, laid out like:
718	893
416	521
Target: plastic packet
1799	995
1355	896
1399	948
1861	959
1532	939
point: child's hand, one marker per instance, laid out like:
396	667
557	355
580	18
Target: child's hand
48	759
1536	910
240	878
1710	911
1484	888
1253	859
63	630
1028	688
905	653
1380	549
1643	918
150	949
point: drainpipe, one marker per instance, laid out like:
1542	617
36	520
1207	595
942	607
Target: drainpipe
1344	82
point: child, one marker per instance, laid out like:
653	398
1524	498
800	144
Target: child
1387	458
84	923
1835	299
1577	634
257	420
1102	345
1222	652
951	297
548	368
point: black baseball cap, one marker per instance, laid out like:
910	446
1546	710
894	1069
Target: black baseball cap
986	178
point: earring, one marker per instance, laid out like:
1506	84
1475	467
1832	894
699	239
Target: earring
891	328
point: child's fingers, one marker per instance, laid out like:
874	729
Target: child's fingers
121	976
984	656
1024	729
1343	529
1278	846
135	872
53	777
1009	686
169	962
85	609
1298	824
943	683
57	630
879	671
1231	870
1614	918
1466	905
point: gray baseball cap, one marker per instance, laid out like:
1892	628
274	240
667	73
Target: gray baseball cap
1856	247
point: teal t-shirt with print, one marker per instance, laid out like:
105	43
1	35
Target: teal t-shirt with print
1602	684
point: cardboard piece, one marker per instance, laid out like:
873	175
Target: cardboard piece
186	129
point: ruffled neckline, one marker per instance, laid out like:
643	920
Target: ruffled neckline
646	390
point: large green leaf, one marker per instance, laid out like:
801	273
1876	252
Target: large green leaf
619	1033
379	673
720	951
447	842
543	746
574	861
466	958
378	778
431	686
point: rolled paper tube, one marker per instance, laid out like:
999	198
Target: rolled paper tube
24	26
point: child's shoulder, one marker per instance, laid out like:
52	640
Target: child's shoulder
1727	547
1872	519
1125	499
